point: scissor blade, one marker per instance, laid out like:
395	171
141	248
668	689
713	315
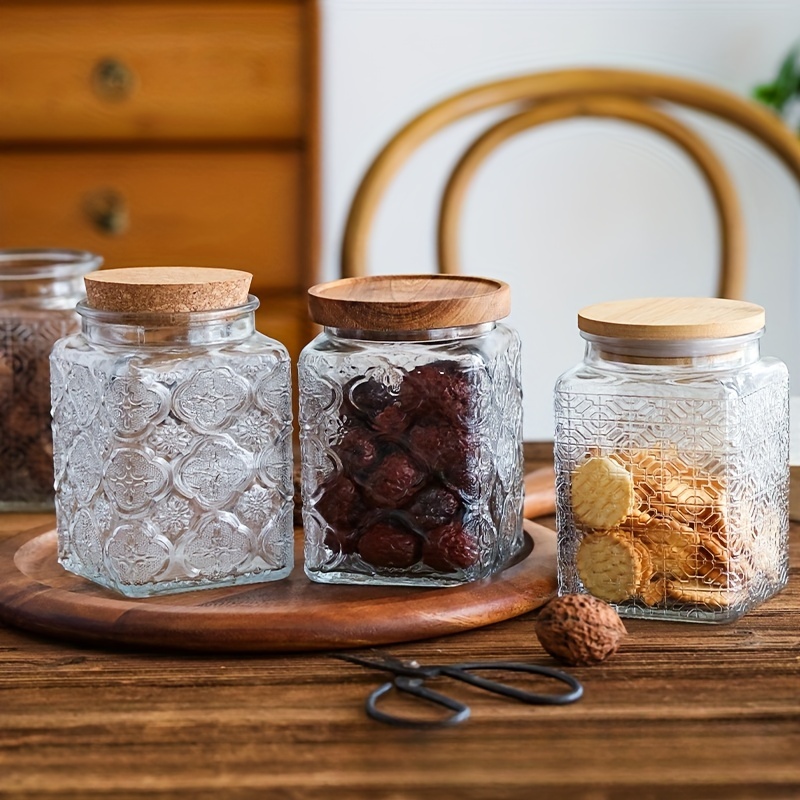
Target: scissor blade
382	662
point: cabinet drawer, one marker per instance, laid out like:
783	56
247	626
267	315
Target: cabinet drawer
227	209
151	71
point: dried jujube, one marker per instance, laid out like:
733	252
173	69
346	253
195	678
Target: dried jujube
450	547
385	544
412	451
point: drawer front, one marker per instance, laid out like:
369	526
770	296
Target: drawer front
227	209
151	71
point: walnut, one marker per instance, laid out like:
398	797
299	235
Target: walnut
579	629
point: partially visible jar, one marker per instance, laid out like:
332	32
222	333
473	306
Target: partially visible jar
172	435
38	293
671	453
411	431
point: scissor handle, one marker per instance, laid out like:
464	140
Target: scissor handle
416	687
464	672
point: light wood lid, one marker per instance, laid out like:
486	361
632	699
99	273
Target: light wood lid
167	289
661	318
408	302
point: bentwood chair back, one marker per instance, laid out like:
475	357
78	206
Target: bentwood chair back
639	98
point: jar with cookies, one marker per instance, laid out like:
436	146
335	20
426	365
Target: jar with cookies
671	454
38	293
411	431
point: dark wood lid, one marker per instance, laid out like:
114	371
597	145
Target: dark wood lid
408	302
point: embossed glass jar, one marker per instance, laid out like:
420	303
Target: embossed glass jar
411	414
671	452
38	293
172	435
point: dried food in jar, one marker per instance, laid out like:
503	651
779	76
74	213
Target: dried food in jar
441	387
389	545
450	547
394	480
358	450
435	506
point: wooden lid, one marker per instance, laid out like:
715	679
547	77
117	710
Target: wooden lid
660	318
408	302
167	289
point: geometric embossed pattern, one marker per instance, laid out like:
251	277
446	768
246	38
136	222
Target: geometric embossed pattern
706	535
173	471
411	459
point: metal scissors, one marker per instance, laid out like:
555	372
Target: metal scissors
410	677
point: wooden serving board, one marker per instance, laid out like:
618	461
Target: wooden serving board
37	594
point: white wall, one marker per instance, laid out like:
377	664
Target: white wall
573	213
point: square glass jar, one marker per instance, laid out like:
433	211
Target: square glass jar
172	435
411	431
671	453
38	293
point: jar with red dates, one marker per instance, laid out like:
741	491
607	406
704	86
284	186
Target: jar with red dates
411	431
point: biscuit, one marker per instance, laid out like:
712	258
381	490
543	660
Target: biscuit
609	565
654	591
602	493
697	592
670	544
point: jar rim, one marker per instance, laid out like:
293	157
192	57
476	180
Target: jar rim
669	348
165	319
26	263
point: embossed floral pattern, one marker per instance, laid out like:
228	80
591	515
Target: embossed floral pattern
218	548
159	486
170	438
136	553
173	516
131	405
134	480
207	400
213	471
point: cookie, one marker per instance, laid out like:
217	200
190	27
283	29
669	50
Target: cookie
697	592
610	566
670	544
602	493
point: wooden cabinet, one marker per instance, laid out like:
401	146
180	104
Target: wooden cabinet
162	133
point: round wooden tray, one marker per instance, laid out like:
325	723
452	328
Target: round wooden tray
37	594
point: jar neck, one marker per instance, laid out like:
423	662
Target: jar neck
45	278
695	354
426	335
136	329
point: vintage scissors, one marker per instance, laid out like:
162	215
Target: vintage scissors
410	677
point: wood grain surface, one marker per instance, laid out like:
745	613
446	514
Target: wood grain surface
195	71
293	614
681	711
408	302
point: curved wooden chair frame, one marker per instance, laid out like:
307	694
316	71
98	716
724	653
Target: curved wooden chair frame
549	96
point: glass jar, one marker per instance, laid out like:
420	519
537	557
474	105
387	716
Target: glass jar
172	435
671	453
38	293
411	437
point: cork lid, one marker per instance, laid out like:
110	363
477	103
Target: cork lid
167	289
662	318
408	302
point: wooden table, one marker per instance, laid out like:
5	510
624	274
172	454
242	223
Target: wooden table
684	711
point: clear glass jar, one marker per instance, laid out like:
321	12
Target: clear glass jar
671	453
411	436
38	293
172	444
